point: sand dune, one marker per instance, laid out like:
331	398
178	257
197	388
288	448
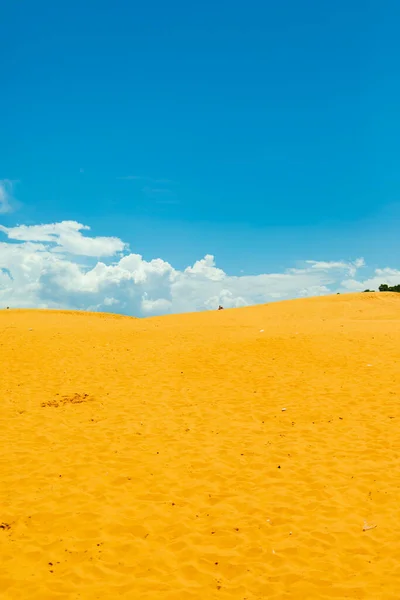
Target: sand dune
153	459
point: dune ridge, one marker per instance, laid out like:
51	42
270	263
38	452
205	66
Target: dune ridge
239	454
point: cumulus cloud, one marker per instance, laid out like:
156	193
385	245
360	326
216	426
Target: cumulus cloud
60	265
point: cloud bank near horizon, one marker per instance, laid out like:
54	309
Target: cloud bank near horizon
59	265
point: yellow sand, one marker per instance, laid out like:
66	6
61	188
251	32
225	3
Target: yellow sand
153	458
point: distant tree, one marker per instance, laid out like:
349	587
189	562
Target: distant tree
389	288
369	291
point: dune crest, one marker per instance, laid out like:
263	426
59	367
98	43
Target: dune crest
237	454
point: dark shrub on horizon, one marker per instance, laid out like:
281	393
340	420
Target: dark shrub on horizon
387	288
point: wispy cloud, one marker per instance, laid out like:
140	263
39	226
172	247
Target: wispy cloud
166	181
151	180
168	201
147	189
161	195
7	202
158	190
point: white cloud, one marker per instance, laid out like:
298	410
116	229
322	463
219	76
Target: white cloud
42	266
351	267
66	237
6	199
206	268
389	276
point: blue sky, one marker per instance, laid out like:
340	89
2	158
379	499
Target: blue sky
264	133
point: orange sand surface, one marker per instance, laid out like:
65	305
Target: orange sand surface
153	458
